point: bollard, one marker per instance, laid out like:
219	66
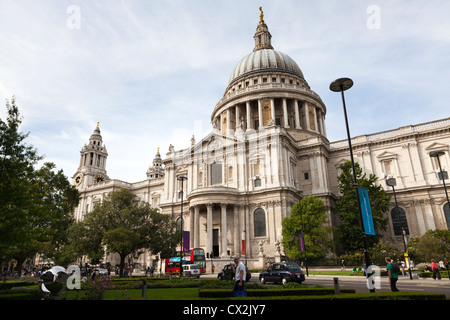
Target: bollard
336	285
144	288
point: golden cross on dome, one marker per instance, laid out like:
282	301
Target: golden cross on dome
261	15
98	122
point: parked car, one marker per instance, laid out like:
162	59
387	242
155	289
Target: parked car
191	270
282	272
228	273
102	271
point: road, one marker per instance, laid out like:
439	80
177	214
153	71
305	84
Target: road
359	283
403	284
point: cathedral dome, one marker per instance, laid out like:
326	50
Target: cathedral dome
263	60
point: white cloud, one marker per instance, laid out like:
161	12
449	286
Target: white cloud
150	70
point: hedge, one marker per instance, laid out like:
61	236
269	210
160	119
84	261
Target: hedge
221	293
12	284
323	294
28	294
444	274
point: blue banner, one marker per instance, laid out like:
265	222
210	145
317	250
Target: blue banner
366	212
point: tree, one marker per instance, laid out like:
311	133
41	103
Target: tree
124	225
17	161
434	244
348	233
36	206
58	200
309	218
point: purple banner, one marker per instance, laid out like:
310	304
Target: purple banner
186	241
302	242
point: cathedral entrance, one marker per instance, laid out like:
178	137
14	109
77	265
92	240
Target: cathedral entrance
215	246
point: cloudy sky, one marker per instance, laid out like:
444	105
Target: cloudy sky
152	71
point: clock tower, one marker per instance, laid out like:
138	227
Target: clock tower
92	162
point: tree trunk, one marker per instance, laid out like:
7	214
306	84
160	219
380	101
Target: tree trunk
122	264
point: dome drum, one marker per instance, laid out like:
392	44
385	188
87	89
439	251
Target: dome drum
267	88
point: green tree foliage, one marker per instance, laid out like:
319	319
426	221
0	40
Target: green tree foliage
348	233
125	226
16	172
36	206
309	218
434	244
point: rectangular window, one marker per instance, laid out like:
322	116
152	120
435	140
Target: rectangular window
306	175
216	173
387	167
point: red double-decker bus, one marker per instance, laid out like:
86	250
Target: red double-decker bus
194	256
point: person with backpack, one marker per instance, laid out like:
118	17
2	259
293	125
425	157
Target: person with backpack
393	269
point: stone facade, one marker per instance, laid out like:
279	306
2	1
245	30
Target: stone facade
267	149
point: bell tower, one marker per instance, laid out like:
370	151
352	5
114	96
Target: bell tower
156	170
92	169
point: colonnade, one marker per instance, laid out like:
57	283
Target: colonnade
227	211
285	112
228	224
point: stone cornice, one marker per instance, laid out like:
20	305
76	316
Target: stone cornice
403	134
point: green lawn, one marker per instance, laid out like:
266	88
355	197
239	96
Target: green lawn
153	294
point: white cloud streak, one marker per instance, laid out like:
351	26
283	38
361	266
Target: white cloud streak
152	71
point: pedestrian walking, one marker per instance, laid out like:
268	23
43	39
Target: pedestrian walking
392	274
240	275
342	265
435	268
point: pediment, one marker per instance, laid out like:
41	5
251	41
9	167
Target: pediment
340	162
387	155
436	146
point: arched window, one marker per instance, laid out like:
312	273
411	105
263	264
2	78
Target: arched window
179	221
447	214
259	219
399	221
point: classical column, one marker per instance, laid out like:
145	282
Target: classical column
315	119
209	228
306	111
238	115
272	110
249	119
285	114
223	226
297	115
196	226
228	121
236	230
191	226
322	121
221	122
260	117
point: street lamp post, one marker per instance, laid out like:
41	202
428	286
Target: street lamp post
181	224
437	154
392	183
341	85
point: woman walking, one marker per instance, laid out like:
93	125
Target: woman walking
435	268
